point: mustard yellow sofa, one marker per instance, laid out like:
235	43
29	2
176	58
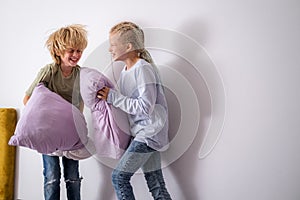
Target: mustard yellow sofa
8	120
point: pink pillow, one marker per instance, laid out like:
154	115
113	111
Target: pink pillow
49	123
110	125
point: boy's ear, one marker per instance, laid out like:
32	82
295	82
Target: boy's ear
56	52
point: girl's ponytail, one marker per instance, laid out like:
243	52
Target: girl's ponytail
144	54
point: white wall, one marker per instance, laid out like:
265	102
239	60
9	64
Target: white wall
254	46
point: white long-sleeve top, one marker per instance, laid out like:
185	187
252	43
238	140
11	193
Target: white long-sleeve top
142	97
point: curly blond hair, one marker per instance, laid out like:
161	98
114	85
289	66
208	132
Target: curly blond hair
72	36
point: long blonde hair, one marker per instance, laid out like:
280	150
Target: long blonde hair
129	32
72	36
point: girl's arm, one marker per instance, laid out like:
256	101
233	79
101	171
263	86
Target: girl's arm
142	100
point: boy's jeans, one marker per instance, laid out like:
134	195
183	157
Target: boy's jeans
139	155
52	178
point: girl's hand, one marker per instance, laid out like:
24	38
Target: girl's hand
103	93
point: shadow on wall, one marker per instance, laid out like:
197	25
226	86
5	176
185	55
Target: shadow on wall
196	101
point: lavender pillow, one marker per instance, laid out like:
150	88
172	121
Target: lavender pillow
110	125
49	123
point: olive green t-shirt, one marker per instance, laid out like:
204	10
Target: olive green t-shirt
67	87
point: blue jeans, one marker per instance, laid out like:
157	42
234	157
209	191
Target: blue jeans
52	176
139	155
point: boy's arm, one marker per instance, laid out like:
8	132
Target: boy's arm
25	99
81	106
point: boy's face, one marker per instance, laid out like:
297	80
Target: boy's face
70	57
117	48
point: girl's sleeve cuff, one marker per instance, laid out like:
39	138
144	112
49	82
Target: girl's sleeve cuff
110	96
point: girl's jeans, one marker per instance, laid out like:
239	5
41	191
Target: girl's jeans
139	155
52	178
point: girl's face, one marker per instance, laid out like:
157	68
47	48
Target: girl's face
118	49
70	57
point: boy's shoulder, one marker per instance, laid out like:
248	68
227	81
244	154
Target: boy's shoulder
53	68
49	66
